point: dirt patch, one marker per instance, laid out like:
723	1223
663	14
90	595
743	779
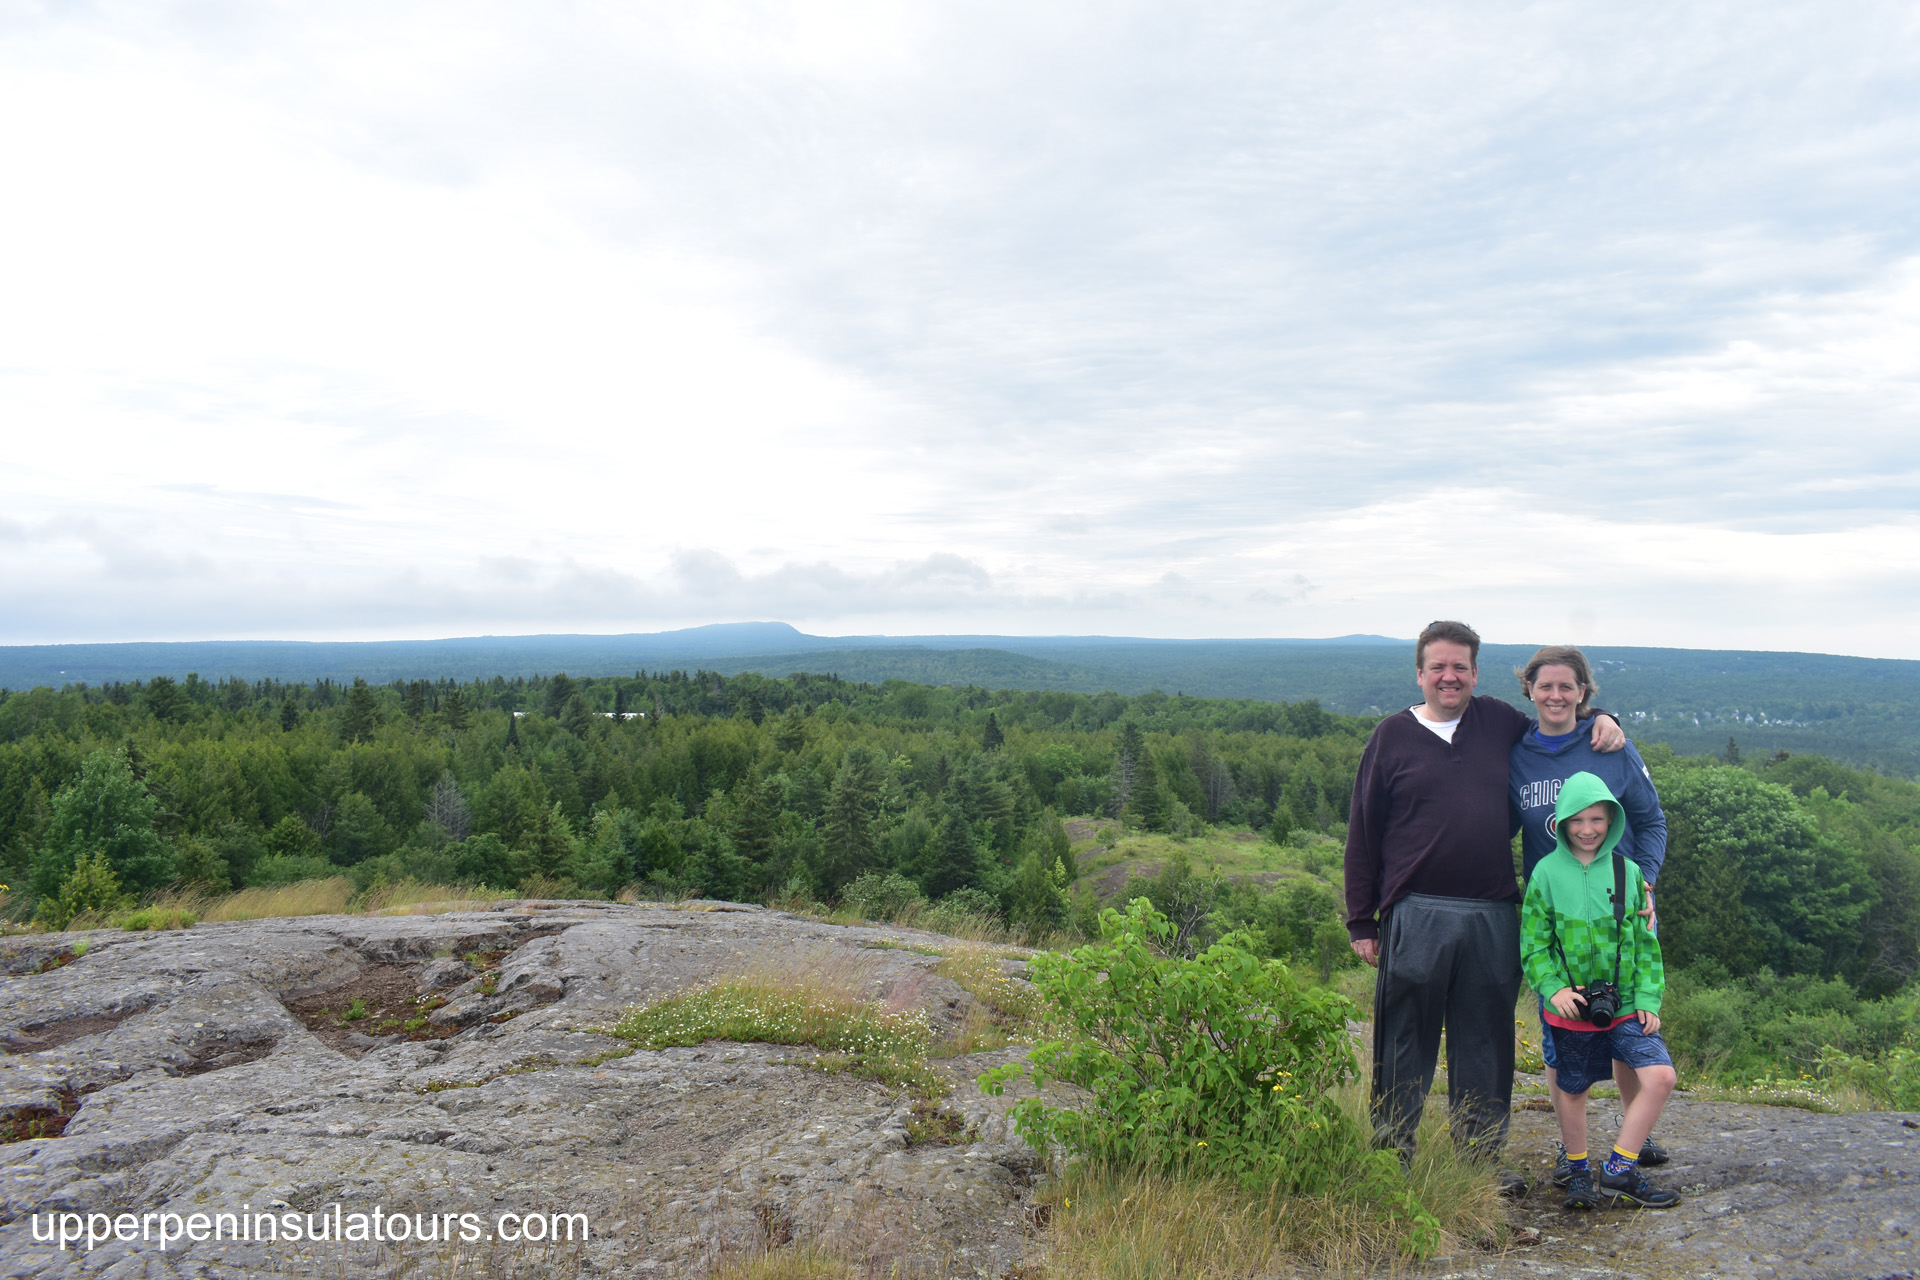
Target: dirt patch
221	1054
54	1034
378	1003
29	1123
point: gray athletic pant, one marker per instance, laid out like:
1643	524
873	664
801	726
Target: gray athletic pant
1452	962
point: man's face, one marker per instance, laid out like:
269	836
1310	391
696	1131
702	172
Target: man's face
1447	677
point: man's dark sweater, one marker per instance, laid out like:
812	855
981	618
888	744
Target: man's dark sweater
1431	817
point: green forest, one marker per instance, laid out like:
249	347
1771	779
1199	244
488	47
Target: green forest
1790	907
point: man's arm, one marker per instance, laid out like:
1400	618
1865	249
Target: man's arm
1366	819
1645	817
1607	736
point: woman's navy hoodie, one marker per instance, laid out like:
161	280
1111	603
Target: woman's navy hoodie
1535	772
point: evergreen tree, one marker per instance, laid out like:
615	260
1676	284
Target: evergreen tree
1150	805
548	843
846	835
955	861
513	732
993	738
559	689
289	715
1732	754
1058	845
453	710
167	701
1126	763
416	700
362	714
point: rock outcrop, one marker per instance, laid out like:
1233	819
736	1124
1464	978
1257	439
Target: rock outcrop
437	1066
228	1069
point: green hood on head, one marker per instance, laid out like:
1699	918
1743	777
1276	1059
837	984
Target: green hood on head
1576	793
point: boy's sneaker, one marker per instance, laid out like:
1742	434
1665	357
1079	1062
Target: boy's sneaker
1580	1194
1563	1169
1632	1188
1653	1155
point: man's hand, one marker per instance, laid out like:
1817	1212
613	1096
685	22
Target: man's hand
1650	1022
1567	1002
1647	911
1368	949
1607	733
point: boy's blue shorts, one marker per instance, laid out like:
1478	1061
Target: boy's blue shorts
1584	1058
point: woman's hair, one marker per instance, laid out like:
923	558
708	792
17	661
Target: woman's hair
1561	655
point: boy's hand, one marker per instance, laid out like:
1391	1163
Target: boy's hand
1649	1022
1567	1002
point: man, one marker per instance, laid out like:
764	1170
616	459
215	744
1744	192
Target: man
1432	900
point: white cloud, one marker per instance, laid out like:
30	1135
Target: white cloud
377	320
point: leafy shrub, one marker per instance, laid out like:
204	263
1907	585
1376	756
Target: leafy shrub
881	897
1746	1028
157	918
425	865
90	887
1892	1080
964	911
278	869
1218	1065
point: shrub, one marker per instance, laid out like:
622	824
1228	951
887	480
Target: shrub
881	897
91	887
1220	1065
157	918
278	869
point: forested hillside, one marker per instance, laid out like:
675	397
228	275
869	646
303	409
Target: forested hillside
750	786
1862	711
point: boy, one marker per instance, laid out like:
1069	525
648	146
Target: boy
1575	940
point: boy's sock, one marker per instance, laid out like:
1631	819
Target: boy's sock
1577	1163
1620	1162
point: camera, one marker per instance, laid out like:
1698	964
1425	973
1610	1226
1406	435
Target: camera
1603	1003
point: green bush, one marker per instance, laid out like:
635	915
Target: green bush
881	897
277	869
1743	1028
1892	1080
1222	1064
91	886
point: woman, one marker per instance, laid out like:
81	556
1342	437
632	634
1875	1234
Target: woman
1560	685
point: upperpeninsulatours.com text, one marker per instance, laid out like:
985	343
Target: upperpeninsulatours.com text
291	1226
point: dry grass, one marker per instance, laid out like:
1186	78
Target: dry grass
411	898
789	1264
1143	1226
180	909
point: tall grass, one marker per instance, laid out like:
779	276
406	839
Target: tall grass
335	895
1143	1225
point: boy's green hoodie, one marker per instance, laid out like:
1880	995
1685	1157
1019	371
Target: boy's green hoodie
1575	903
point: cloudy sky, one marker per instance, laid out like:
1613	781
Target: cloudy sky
1581	322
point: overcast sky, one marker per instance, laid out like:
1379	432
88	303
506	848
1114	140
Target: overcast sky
1580	322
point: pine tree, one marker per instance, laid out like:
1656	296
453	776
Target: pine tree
289	716
362	714
1150	805
416	700
992	739
955	861
513	731
453	710
847	846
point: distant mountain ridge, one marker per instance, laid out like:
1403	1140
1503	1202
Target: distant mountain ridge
473	657
1863	711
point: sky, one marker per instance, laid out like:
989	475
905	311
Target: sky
1583	323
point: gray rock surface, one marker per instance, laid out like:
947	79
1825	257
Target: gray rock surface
200	1089
214	1068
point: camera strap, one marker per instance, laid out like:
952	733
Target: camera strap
1619	912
